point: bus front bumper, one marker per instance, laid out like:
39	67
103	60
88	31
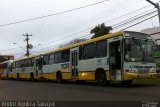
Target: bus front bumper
129	76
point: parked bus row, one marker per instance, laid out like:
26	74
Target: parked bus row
122	56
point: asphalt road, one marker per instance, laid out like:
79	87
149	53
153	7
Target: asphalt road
12	90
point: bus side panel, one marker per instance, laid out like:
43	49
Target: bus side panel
49	71
88	67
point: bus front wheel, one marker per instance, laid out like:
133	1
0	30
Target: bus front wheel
101	77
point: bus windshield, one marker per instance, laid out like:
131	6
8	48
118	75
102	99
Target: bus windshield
138	50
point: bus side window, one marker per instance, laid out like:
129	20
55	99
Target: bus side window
39	63
25	63
89	51
18	64
10	67
29	62
101	49
65	55
57	57
13	65
32	62
51	58
45	59
80	52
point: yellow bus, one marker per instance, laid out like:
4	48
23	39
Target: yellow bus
122	56
5	69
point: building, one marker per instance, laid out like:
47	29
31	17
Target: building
154	32
6	57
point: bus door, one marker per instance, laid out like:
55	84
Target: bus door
39	66
74	63
115	58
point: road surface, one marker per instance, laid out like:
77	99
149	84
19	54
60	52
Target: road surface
12	90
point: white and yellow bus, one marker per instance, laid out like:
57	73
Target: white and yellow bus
5	69
121	56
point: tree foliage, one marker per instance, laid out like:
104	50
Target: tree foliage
100	30
77	40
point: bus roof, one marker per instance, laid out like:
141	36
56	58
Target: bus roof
6	61
86	42
74	45
23	58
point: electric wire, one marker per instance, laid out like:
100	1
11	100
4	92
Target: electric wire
139	22
59	39
58	13
134	24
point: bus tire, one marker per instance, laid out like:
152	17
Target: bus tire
32	77
59	77
7	77
126	82
100	77
18	77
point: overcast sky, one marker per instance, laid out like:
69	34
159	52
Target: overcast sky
58	29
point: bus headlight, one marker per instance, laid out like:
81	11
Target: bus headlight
84	74
133	70
152	69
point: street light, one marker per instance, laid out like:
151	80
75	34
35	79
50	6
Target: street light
156	6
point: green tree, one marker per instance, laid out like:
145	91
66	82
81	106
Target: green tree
100	30
74	41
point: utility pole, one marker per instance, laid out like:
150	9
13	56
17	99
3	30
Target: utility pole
28	45
156	6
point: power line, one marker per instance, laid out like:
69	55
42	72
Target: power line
78	32
109	12
70	35
90	34
139	22
113	25
135	11
55	46
58	13
44	48
127	13
114	13
87	28
50	23
73	34
123	23
9	49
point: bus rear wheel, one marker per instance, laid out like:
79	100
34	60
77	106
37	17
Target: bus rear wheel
31	77
59	77
7	77
18	78
101	77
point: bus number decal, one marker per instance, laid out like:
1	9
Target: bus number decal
99	62
65	66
